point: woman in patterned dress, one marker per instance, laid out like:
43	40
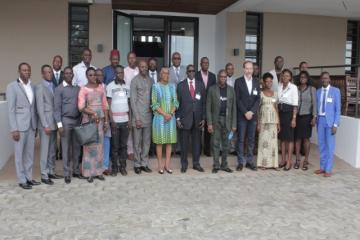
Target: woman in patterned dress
93	104
268	126
164	103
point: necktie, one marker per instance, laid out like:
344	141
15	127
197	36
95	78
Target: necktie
177	74
57	77
323	101
192	90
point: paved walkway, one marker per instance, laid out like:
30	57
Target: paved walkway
242	205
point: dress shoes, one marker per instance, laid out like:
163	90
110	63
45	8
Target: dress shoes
90	179
79	176
67	180
251	166
47	181
113	173
239	167
215	170
146	169
55	176
137	170
32	183
25	186
198	168
229	170
106	172
123	171
319	171
100	177
183	170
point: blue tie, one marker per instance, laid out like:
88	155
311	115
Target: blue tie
323	101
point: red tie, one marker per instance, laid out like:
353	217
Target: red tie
192	90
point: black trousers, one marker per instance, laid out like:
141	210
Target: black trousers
195	133
119	138
207	140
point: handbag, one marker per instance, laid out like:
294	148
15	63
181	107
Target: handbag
87	133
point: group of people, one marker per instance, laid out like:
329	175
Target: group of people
137	109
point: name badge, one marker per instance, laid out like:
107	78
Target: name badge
329	100
197	96
255	92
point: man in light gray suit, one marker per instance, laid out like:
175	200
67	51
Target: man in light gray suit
177	74
44	94
177	71
22	119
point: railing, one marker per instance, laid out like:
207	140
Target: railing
349	86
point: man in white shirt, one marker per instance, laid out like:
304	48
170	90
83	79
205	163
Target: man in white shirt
22	121
79	70
279	65
129	73
118	97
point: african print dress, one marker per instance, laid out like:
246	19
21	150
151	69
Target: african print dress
267	156
163	96
94	98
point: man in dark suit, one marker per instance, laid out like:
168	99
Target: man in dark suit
247	90
58	74
153	73
209	79
190	117
57	79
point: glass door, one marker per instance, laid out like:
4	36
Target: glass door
123	31
183	39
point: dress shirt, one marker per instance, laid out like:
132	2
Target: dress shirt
230	81
129	74
321	99
79	78
248	82
57	75
204	76
289	95
28	90
153	75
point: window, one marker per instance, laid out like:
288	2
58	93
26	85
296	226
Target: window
78	31
352	46
253	39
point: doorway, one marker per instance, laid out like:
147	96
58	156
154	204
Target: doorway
156	36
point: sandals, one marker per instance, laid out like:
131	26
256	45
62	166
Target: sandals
305	166
297	164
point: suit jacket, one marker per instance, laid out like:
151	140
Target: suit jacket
182	74
332	107
247	102
213	107
45	106
157	77
189	106
60	79
211	79
22	113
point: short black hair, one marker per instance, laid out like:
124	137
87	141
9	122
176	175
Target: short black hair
277	57
324	73
68	67
228	65
45	66
129	53
188	66
286	70
119	66
301	63
221	71
152	59
22	64
89	69
203	58
86	49
267	75
306	73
